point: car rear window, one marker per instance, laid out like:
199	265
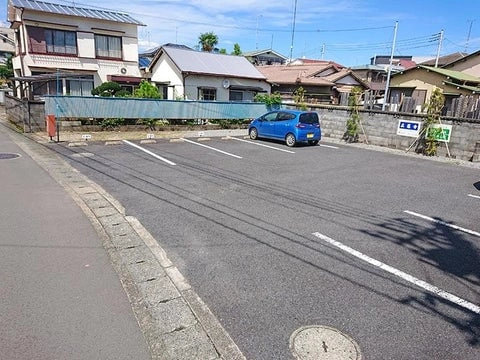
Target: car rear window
309	118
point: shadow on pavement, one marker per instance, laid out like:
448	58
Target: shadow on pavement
449	251
477	185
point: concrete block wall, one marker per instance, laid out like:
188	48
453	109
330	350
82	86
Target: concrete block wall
28	114
381	129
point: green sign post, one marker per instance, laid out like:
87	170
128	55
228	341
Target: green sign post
440	132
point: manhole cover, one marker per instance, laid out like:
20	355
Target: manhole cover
6	156
323	342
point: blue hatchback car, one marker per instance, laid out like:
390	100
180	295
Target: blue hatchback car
291	126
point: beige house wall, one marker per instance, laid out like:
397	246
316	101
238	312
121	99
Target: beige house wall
421	79
470	66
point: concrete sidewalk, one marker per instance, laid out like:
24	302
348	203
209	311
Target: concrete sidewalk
80	279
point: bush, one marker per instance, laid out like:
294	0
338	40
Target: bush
270	100
150	124
147	91
111	124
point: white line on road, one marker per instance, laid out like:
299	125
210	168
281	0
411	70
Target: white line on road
474	196
267	146
211	148
468	231
411	279
329	146
148	152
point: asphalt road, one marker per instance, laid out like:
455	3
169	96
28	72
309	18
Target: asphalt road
381	246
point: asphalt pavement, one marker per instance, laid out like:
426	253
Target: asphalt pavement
82	280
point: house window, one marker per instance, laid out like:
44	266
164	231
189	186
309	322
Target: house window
236	95
47	87
80	86
108	46
209	94
49	41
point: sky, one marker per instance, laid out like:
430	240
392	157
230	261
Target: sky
348	32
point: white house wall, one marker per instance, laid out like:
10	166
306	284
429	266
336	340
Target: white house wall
85	28
165	72
194	82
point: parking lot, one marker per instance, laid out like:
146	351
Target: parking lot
381	246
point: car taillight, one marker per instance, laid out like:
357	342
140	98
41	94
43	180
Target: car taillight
300	126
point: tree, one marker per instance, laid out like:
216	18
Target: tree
353	122
6	71
236	50
428	144
147	90
107	89
222	51
299	98
208	41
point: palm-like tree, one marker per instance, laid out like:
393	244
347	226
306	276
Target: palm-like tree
208	41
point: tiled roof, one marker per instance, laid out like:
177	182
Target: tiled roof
476	53
290	74
72	10
443	60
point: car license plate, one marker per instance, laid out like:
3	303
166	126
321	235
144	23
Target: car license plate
309	136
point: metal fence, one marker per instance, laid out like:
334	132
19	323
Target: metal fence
128	108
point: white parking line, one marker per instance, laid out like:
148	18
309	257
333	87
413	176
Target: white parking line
258	144
474	196
211	148
407	277
468	231
148	152
329	146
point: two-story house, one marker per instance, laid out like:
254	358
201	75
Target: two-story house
68	49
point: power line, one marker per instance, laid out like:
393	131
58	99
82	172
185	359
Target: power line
405	44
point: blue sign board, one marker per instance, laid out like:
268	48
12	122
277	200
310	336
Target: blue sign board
409	128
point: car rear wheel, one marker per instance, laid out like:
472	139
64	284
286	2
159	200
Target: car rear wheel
312	142
253	134
290	140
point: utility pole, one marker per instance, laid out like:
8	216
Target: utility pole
440	40
256	33
469	33
293	29
387	85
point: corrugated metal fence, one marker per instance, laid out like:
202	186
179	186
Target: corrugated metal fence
128	108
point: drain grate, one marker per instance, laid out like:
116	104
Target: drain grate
6	156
